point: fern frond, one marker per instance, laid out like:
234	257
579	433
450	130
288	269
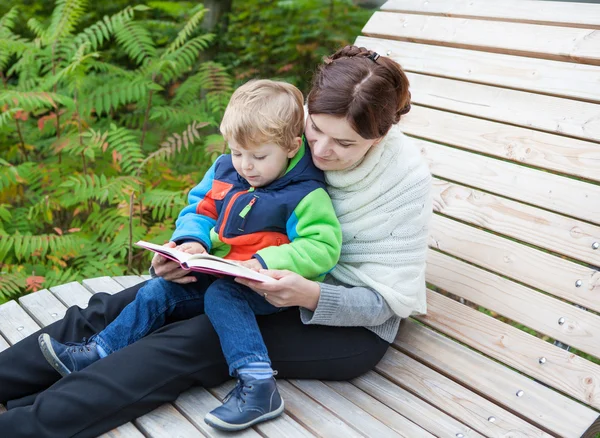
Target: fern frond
28	247
174	144
34	100
106	222
188	53
211	78
6	118
170	116
113	95
9	175
164	203
126	147
36	27
136	41
187	30
7	22
64	19
11	284
82	188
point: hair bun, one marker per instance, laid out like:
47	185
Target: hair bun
348	52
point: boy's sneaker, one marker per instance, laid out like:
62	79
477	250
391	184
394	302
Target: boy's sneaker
251	401
68	357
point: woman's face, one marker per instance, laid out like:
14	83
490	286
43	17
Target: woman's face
333	142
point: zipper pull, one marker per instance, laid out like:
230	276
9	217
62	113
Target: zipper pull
247	208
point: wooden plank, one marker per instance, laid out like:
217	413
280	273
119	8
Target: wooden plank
544	229
521	145
524	397
102	284
3	344
479	413
282	426
313	416
43	307
196	403
420	412
544	314
562	116
551	192
127	430
351	413
378	410
166	422
72	294
561	370
146	277
523	11
535	40
556	78
555	275
15	324
128	280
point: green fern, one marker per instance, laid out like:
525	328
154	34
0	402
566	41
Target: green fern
136	41
64	19
28	247
10	285
78	189
165	204
113	95
33	100
187	30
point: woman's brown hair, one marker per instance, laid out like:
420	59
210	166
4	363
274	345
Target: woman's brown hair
368	90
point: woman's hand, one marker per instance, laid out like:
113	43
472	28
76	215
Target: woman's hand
289	289
170	270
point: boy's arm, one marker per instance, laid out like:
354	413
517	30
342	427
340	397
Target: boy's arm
200	215
315	239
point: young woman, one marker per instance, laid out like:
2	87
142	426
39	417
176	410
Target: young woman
336	330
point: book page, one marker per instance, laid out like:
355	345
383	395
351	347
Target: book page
228	268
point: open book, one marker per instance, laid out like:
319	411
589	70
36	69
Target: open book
205	263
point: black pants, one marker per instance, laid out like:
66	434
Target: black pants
156	369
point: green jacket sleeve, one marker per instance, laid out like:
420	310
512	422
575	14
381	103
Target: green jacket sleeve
315	239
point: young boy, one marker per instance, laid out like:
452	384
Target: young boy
264	205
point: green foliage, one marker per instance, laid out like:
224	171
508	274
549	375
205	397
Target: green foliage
92	122
287	39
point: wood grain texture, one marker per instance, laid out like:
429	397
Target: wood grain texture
351	413
561	116
535	40
538	403
594	430
538	269
3	344
412	407
544	229
127	430
102	284
520	145
521	304
166	422
128	280
522	11
551	192
464	405
72	294
556	78
562	370
378	410
15	323
43	307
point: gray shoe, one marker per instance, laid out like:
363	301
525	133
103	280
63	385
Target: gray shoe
68	357
251	401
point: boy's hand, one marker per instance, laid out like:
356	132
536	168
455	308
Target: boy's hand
252	264
192	248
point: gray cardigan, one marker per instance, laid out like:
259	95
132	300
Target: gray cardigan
348	306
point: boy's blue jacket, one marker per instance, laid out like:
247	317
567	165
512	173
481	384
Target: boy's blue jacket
289	224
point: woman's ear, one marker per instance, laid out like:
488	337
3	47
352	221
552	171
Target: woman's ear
296	143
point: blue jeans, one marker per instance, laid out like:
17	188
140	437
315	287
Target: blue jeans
157	303
232	309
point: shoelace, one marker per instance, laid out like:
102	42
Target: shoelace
77	345
238	391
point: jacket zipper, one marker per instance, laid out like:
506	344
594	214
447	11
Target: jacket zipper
244	213
228	210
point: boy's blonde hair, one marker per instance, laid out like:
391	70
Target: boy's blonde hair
264	111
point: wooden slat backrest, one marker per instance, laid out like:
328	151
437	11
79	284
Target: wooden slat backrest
506	110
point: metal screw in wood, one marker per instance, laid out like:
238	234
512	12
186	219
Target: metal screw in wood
492	419
542	360
578	283
595	245
561	320
520	393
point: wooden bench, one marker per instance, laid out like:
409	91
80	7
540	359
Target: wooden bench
506	109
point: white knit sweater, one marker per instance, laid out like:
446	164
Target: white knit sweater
384	207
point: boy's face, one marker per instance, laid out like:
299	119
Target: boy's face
261	165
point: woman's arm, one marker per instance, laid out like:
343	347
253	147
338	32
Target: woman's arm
322	303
